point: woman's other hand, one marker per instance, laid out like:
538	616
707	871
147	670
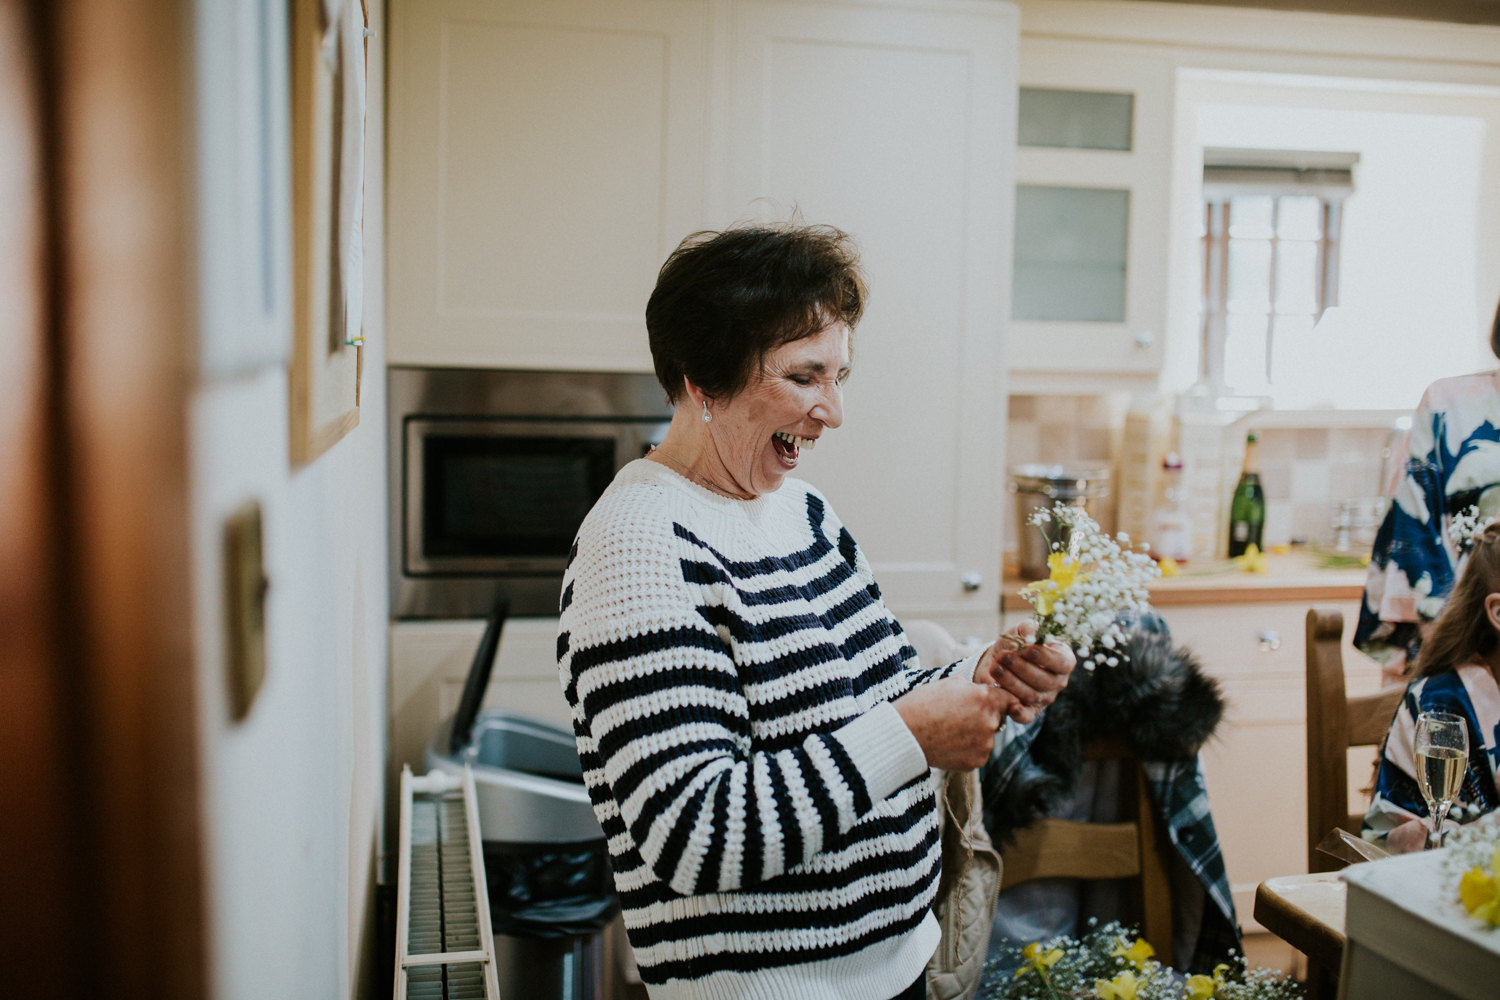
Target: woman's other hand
954	721
1033	673
1408	837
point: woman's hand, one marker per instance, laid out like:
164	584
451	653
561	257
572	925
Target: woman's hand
954	721
1033	673
1409	836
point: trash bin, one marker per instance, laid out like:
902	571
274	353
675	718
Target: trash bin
545	857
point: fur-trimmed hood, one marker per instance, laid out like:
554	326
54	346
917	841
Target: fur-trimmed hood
1158	700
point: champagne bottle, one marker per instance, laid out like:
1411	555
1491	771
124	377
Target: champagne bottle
1247	512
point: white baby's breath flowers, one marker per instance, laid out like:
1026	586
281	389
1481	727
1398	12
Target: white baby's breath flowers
1094	579
1466	525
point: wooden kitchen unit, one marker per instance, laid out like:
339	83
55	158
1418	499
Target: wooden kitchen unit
1247	630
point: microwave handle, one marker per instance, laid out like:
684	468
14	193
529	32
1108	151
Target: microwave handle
479	677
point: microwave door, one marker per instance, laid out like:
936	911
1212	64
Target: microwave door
506	497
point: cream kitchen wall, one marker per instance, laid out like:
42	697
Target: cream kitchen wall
292	794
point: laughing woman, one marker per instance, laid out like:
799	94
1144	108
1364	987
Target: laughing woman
755	731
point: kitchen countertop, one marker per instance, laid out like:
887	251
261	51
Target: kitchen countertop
1294	576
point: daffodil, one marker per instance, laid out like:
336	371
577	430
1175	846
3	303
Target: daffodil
1480	893
1136	954
1254	560
1038	961
1122	987
1044	594
1204	987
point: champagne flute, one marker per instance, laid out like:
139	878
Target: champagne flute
1442	750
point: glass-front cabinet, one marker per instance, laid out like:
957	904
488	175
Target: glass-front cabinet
1093	178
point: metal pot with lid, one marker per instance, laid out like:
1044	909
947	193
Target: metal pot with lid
1042	486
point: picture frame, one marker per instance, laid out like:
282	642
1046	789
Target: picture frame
328	107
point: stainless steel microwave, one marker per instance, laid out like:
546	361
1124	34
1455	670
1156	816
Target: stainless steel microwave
493	471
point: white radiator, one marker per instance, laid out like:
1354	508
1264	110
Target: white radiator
445	946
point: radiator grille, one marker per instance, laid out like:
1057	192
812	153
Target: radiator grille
442	899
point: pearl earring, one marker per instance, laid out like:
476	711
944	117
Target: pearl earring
706	415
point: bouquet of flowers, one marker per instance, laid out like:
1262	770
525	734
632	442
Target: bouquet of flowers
1112	963
1094	578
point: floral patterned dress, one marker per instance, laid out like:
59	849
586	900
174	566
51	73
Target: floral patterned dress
1454	464
1468	691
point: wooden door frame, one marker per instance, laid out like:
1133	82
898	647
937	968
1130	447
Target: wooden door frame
97	592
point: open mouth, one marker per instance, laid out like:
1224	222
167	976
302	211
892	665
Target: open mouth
788	446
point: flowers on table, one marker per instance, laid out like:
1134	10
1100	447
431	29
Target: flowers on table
1122	987
1206	987
1137	954
1092	580
1112	963
1472	849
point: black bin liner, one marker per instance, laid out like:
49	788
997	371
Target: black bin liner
550	890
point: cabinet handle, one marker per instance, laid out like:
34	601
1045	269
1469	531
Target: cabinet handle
1270	640
972	581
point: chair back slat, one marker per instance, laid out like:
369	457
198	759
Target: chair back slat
1327	734
1369	717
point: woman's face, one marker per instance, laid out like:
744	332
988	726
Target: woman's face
798	394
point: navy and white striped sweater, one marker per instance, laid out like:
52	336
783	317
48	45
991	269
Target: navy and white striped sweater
730	665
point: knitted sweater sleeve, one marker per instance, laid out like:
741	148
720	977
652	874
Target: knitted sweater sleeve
663	729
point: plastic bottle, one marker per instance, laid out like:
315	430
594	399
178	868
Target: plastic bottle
1171	531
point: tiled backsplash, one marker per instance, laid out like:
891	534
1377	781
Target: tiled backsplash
1306	472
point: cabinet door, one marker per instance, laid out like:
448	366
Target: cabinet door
896	124
1127	342
545	157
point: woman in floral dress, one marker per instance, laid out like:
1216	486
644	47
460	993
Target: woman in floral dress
1454	464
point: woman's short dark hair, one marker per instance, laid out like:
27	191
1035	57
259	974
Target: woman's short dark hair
723	301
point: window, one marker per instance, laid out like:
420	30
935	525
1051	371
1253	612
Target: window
1270	251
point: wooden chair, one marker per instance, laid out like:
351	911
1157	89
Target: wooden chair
1137	849
1335	722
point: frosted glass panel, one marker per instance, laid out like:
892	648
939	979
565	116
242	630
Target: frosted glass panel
1074	119
1070	254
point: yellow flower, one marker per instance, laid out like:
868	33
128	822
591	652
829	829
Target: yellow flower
1122	987
1043	594
1039	960
1169	567
1203	987
1136	954
1481	893
1254	560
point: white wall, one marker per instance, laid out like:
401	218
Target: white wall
1412	305
292	795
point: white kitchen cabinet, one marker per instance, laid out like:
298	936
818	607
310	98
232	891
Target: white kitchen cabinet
1125	352
897	124
545	156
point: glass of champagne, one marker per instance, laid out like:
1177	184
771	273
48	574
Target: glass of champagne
1442	749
